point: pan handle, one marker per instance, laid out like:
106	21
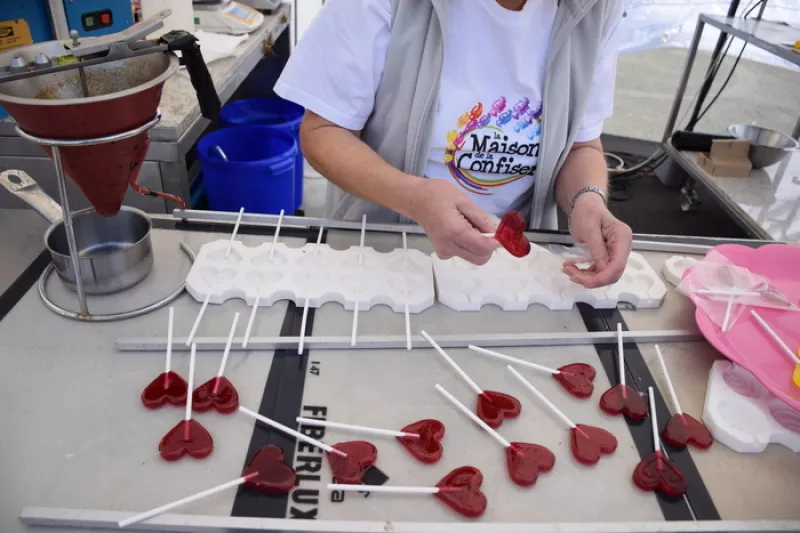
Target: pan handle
21	185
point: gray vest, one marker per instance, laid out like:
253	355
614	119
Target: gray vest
401	123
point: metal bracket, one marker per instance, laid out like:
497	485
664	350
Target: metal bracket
383	342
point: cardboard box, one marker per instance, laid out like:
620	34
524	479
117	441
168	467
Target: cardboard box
728	158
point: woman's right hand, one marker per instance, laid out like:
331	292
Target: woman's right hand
453	222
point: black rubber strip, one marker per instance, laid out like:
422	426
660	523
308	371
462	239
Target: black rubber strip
282	401
27	279
700	505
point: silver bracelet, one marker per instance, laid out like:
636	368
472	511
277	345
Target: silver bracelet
596	190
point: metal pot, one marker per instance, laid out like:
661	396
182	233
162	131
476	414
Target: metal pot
767	147
114	252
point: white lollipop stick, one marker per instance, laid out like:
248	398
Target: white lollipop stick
250	322
276	235
671	389
235	230
564	418
197	320
405	294
499	438
653	419
355	314
384	488
183	501
728	308
350	427
509	359
728	292
621	352
170	323
301	345
363	234
775	337
227	351
190	386
452	363
291	432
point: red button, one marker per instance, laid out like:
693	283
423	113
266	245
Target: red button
105	19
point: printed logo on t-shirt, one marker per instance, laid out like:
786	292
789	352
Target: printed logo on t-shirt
501	142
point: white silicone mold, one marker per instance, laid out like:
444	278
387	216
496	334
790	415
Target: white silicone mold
514	284
743	415
675	266
330	276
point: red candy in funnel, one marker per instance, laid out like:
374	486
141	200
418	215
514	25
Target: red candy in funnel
511	234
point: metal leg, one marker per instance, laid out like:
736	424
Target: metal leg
73	247
687	70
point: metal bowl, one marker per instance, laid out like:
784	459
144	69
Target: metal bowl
767	147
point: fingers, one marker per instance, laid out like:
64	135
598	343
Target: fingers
617	238
477	217
596	245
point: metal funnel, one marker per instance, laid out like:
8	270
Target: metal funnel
121	96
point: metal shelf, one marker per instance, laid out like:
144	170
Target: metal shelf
769	36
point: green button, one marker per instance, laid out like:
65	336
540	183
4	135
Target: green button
89	22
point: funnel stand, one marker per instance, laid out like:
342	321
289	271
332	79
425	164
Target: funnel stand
61	180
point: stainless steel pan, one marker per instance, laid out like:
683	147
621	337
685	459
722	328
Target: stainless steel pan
114	252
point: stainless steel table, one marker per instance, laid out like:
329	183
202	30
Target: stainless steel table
78	448
766	203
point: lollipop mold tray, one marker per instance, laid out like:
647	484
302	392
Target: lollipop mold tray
514	284
743	415
295	274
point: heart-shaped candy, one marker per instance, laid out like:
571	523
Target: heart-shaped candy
511	234
360	456
168	387
461	491
271	474
577	379
658	473
525	461
588	443
187	437
494	407
683	429
625	400
428	447
225	399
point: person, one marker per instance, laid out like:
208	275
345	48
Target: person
451	113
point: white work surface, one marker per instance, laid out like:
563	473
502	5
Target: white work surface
75	434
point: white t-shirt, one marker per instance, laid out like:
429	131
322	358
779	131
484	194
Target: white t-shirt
487	124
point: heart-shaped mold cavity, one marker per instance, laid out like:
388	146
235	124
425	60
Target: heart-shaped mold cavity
219	256
306	277
277	259
371	260
742	382
213	275
263	278
784	415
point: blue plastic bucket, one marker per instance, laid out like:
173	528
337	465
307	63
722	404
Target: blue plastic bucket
259	173
275	112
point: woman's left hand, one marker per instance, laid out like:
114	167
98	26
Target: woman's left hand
608	239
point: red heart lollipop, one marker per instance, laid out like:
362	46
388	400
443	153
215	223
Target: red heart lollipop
271	473
216	393
525	461
588	443
494	407
683	429
428	447
168	387
658	473
511	234
625	400
461	491
187	437
350	470
577	379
